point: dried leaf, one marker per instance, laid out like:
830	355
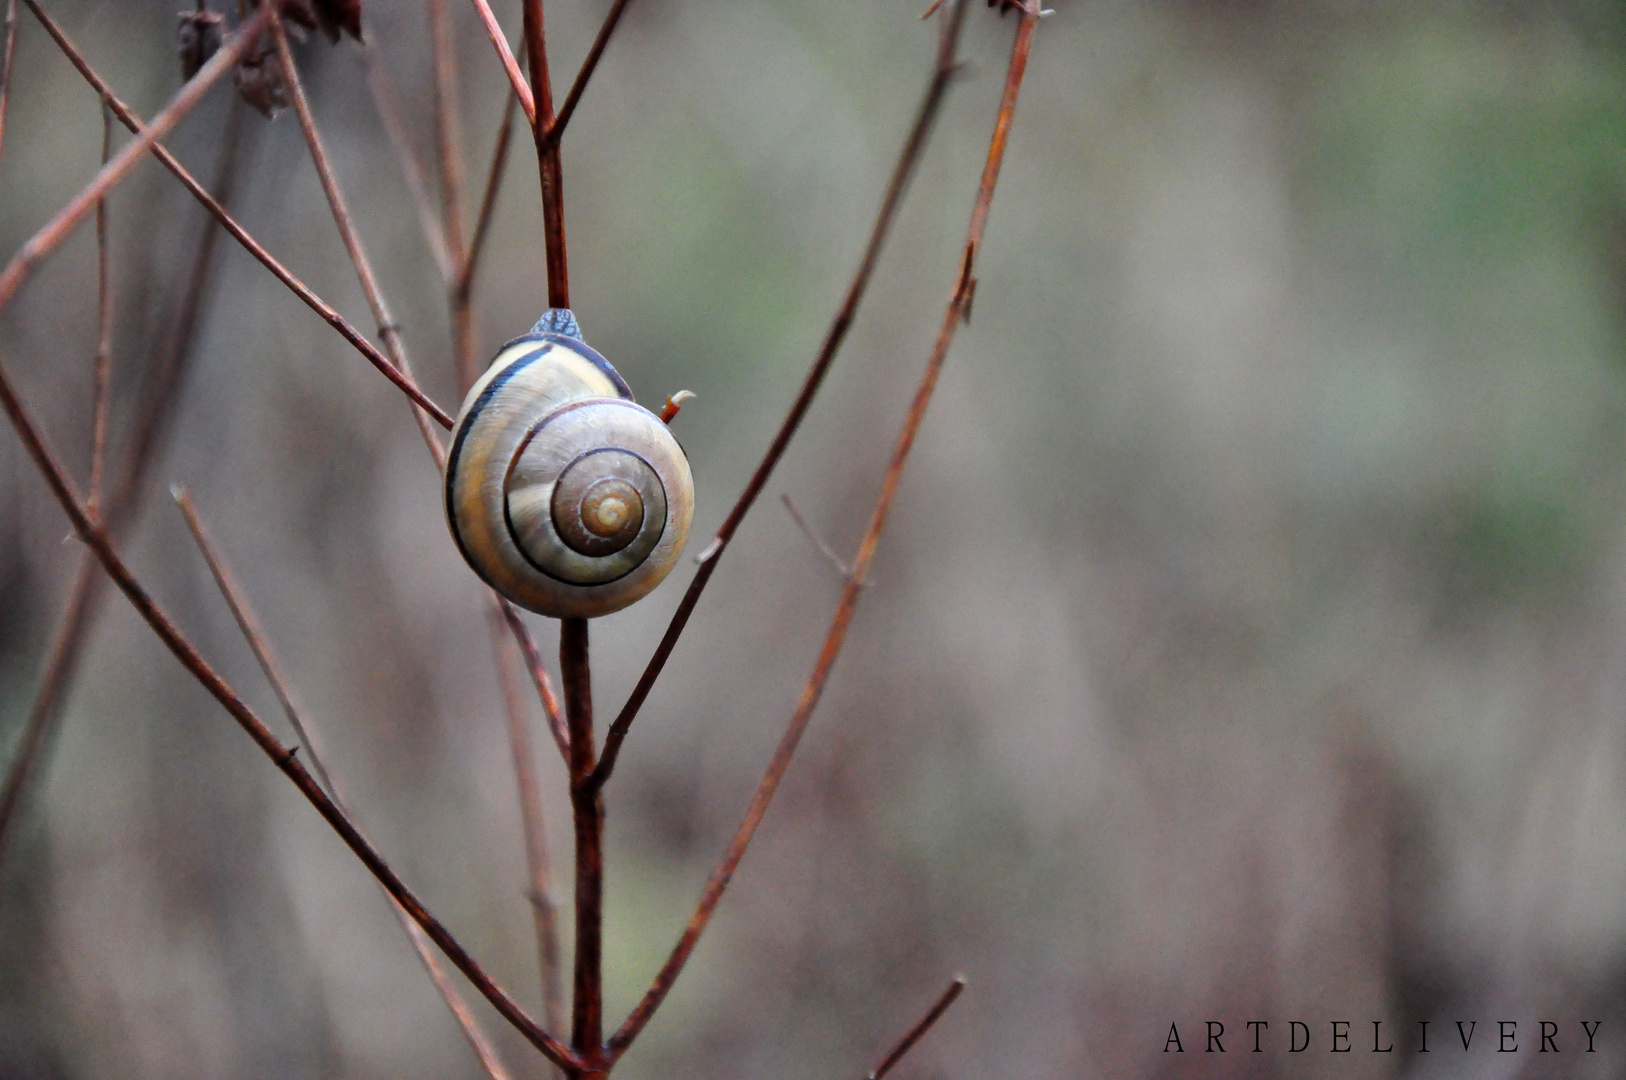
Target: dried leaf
339	15
199	37
259	77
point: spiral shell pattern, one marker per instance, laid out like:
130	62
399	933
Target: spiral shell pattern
564	494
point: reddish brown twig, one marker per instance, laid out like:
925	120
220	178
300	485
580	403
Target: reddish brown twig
861	563
388	330
282	273
510	65
923	1025
62	225
83	594
389	114
249	625
556	130
913	147
587	810
463	286
547	157
540	887
449	149
96	539
102	365
539	677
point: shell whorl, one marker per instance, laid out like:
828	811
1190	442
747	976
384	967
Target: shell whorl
564	494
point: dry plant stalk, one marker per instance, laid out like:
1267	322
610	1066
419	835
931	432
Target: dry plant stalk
261	37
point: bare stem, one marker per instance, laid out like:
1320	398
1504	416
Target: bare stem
539	676
556	130
389	114
389	330
83	594
249	625
114	172
921	1026
510	66
463	287
282	273
587	805
914	147
96	538
836	637
547	158
540	887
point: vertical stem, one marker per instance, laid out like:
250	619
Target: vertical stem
587	804
547	158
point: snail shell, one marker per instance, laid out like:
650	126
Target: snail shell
564	494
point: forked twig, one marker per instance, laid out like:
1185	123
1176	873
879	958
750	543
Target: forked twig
389	330
282	273
63	654
908	158
556	130
953	316
43	242
96	538
923	1025
249	625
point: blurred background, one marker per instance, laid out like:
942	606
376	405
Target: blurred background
1249	640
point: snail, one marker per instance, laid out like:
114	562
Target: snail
564	494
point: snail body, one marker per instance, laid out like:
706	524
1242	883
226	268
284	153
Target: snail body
562	493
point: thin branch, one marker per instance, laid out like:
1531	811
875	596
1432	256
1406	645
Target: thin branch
539	677
923	1025
816	540
587	810
463	287
448	136
547	158
556	130
96	538
914	147
389	113
249	625
389	330
540	887
60	227
516	77
814	688
86	589
282	273
8	51
102	370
